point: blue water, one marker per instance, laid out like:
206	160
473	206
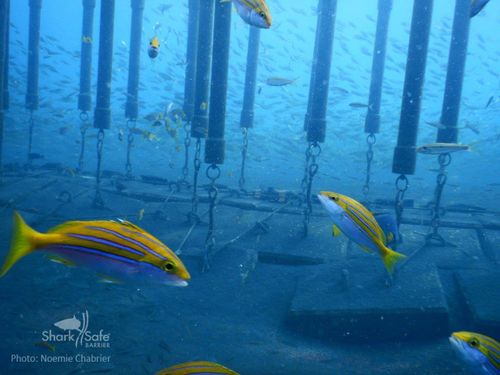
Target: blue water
243	328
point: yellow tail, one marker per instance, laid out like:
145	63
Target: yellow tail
22	243
390	258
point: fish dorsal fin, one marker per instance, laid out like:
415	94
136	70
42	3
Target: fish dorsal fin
335	231
61	227
130	225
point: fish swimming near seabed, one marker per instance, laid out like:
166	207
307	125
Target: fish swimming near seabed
480	352
359	225
116	250
197	368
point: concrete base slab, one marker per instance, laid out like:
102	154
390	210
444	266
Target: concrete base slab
354	303
479	289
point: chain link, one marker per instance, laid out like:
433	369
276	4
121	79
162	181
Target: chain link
131	124
193	215
98	201
434	237
312	153
244	151
213	173
402	185
187	145
370	141
84	125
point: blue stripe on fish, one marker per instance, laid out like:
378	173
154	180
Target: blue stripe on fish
89	250
359	215
125	238
103	241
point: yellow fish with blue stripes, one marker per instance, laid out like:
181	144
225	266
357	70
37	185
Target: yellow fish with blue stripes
253	12
480	352
197	368
117	250
359	225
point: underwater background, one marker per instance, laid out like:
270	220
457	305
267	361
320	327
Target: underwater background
237	313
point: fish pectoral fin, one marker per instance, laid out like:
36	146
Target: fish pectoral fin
108	279
335	231
61	260
390	237
366	249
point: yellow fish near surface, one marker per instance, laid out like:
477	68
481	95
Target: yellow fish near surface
115	249
198	368
480	352
359	225
253	12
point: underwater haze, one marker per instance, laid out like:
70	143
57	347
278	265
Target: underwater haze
260	281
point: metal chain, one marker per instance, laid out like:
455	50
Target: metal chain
98	201
193	215
31	123
187	145
244	151
131	124
213	173
402	185
84	125
370	141
312	153
434	237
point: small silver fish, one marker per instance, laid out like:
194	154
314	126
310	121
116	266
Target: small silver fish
441	148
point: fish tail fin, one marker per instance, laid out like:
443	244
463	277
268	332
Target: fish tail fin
390	258
22	243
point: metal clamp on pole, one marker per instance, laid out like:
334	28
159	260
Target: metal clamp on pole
213	173
370	141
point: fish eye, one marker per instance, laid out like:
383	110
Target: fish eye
168	266
474	343
262	14
333	198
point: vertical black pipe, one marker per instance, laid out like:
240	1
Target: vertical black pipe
6	95
316	127
102	114
214	146
33	55
455	75
199	126
132	105
4	26
405	156
85	98
313	70
372	121
247	113
192	46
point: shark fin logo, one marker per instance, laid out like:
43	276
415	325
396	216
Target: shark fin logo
74	324
76	329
